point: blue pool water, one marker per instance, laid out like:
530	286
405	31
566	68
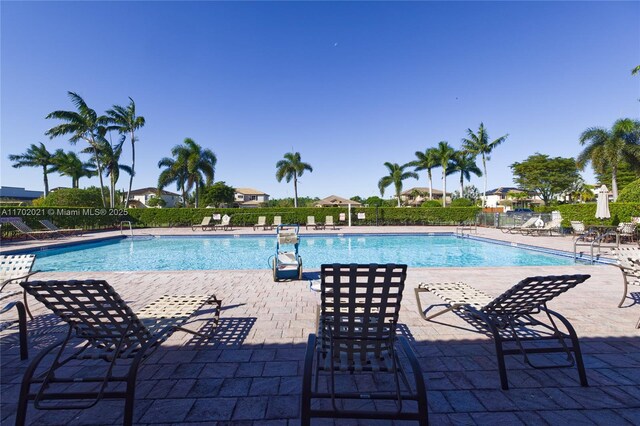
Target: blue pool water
196	253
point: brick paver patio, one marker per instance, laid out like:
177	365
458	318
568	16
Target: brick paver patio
251	373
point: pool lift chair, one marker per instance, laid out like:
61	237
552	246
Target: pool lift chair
287	263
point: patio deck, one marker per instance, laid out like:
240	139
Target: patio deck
251	373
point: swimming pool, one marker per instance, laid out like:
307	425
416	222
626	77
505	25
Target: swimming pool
253	252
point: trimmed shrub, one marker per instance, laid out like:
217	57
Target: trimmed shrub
631	193
431	204
462	202
73	197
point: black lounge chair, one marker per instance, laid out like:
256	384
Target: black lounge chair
510	318
108	331
357	324
15	269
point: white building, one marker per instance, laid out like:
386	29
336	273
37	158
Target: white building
140	197
249	197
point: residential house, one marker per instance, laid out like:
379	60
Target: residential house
249	197
418	195
15	194
506	197
140	197
336	201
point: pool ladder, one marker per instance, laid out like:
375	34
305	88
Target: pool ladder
130	227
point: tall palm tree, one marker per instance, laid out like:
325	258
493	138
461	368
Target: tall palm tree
478	144
125	121
427	160
464	163
190	166
35	156
396	176
69	164
173	172
83	124
292	167
444	153
604	147
109	155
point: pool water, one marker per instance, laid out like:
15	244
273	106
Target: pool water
218	253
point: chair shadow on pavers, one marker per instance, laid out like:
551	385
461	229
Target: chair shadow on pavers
518	320
230	332
42	331
104	345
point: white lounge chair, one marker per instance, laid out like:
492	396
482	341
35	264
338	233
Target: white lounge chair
262	223
328	221
277	220
530	223
225	223
311	221
206	223
67	231
15	269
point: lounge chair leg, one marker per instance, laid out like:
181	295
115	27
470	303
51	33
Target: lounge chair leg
305	401
22	330
624	293
421	309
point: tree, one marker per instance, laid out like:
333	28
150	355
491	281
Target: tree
217	194
69	164
464	163
478	144
292	167
125	121
545	176
35	156
444	153
470	193
427	160
109	156
625	174
636	70
396	176
173	173
83	124
73	197
609	148
374	201
631	194
190	165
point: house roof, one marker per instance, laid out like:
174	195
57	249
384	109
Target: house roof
151	190
334	200
250	191
503	190
421	189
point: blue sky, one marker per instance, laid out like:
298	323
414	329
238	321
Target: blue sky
348	85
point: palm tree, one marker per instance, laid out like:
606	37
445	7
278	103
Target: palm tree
444	153
125	121
35	156
292	167
426	161
610	148
109	155
636	70
478	144
69	164
83	124
191	164
396	176
173	172
464	163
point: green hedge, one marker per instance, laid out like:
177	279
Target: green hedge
151	217
64	217
620	212
248	217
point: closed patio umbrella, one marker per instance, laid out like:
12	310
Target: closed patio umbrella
602	209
